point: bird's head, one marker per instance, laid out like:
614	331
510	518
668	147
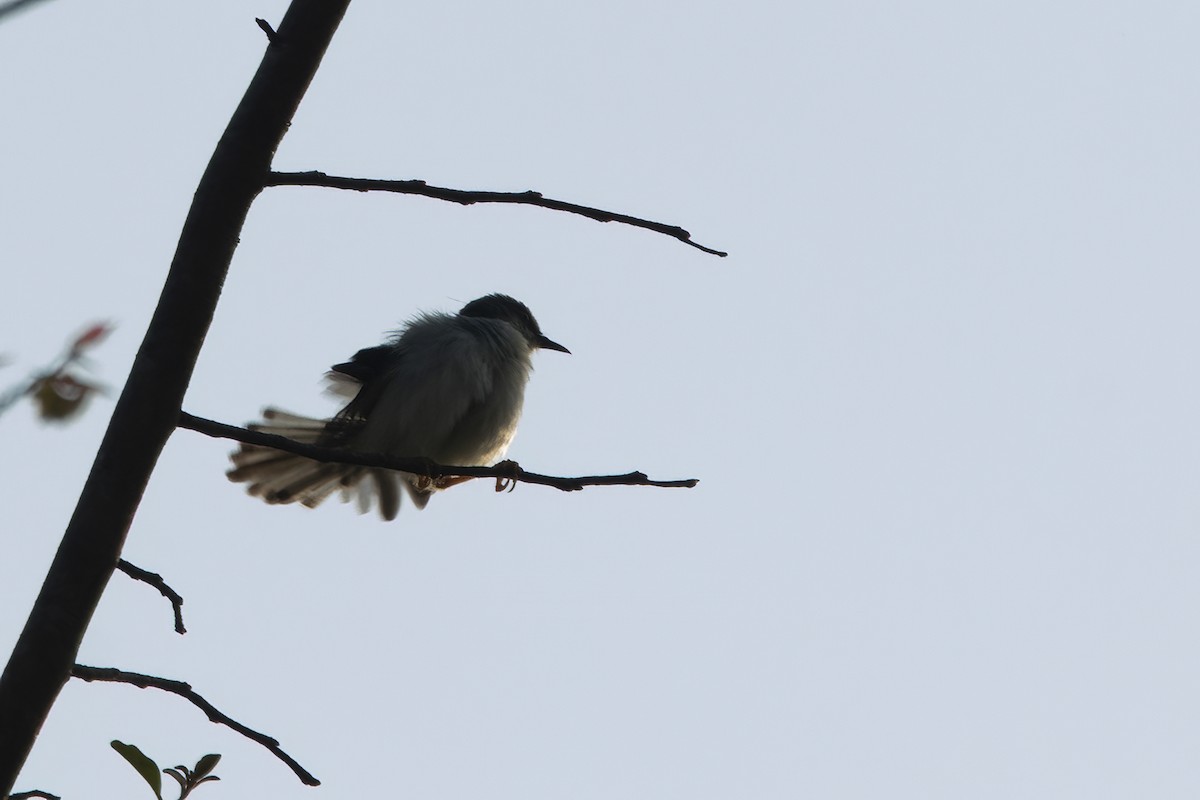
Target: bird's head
515	313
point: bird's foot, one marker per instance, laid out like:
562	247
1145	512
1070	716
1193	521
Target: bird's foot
508	482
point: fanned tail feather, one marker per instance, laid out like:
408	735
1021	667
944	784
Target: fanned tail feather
279	477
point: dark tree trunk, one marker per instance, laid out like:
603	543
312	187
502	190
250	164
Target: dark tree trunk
147	411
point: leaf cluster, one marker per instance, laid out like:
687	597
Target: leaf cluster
188	779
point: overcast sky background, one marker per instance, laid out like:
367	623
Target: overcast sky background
942	398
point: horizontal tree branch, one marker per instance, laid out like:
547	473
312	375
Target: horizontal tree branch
504	471
468	197
184	690
32	794
156	580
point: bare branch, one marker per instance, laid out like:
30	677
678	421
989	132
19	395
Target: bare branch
156	580
31	794
468	197
504	471
184	690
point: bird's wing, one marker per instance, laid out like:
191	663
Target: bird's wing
431	381
359	380
365	365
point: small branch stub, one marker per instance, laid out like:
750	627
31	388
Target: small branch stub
266	28
156	580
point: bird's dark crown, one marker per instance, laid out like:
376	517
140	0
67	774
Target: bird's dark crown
506	309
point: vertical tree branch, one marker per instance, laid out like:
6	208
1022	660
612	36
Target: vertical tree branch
146	413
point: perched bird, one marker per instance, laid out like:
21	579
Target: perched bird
448	387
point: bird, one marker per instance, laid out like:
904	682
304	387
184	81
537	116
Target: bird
447	387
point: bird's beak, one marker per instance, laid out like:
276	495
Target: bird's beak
549	344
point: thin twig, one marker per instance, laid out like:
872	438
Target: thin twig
507	470
156	580
185	691
469	197
266	28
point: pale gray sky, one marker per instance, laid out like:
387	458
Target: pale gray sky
941	397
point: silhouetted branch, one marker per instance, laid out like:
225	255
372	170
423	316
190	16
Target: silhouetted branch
32	794
156	580
467	197
147	410
266	28
185	691
504	471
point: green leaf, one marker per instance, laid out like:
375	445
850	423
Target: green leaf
142	763
174	773
206	765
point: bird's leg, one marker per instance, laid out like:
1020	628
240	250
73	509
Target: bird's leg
427	482
508	482
424	480
451	480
